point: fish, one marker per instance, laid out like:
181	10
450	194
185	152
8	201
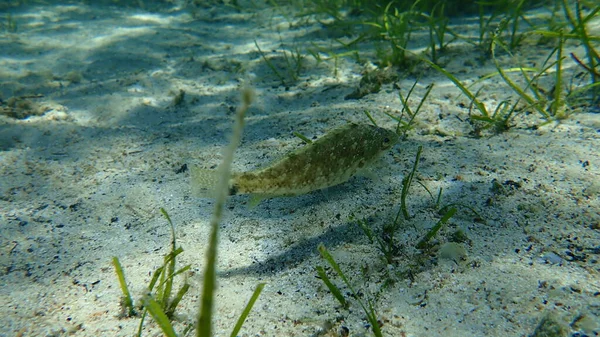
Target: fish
330	160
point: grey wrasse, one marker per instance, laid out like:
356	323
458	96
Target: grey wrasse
330	160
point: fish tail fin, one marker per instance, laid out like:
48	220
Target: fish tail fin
203	182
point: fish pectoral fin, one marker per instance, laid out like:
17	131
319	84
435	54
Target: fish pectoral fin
255	199
368	174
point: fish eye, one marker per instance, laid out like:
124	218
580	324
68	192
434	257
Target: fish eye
386	140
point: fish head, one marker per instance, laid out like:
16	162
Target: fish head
384	138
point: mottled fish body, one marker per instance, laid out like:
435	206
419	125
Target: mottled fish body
328	161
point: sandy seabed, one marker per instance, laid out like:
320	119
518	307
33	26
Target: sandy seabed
112	103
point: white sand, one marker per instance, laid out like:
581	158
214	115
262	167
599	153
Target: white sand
84	182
